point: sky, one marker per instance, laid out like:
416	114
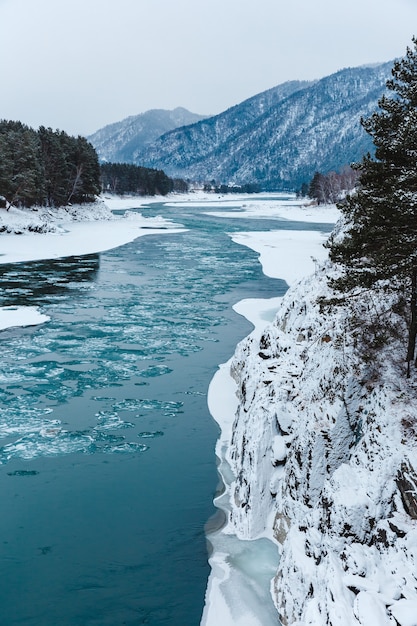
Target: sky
78	65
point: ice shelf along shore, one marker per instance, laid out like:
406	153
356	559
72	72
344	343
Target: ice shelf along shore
245	557
317	453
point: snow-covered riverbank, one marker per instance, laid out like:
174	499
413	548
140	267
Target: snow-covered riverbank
51	234
42	233
319	456
245	561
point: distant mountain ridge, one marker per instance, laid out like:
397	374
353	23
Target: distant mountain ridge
198	150
277	138
120	141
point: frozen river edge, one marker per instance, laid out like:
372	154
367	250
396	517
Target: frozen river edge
242	569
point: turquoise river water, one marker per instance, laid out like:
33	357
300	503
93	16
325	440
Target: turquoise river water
107	464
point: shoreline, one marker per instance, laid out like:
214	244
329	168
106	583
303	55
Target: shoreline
77	231
73	231
289	255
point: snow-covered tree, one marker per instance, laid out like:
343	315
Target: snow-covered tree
380	243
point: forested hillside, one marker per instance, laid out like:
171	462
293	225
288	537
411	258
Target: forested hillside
46	167
277	139
121	141
50	168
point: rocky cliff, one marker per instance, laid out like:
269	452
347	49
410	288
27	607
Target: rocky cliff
324	451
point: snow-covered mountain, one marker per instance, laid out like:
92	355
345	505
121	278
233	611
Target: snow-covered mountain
324	445
119	142
278	138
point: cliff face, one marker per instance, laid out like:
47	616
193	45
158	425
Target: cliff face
324	451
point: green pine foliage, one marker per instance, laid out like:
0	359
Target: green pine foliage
50	168
46	167
380	243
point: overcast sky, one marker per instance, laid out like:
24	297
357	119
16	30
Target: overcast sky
78	65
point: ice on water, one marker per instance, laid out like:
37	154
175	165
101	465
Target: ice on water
242	573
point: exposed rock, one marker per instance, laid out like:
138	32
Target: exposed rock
316	453
407	484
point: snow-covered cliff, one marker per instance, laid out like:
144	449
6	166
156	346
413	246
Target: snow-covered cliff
324	450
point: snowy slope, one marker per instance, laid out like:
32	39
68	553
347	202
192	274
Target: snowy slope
119	142
324	445
43	233
278	138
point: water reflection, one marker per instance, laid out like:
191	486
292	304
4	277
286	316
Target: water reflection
41	282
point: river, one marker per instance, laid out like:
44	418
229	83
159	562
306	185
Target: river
107	464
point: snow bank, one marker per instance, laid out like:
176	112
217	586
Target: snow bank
262	206
194	197
42	233
46	220
322	453
288	255
38	234
294	210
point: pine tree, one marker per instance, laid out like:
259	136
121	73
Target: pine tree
380	243
21	177
316	189
84	170
56	166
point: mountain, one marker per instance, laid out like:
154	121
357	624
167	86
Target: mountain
278	138
121	141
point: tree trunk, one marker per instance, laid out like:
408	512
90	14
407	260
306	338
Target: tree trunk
412	329
77	183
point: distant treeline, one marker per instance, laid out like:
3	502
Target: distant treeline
122	178
247	188
46	167
330	187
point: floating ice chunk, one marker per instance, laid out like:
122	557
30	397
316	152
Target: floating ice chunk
155	370
14	316
111	421
126	447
